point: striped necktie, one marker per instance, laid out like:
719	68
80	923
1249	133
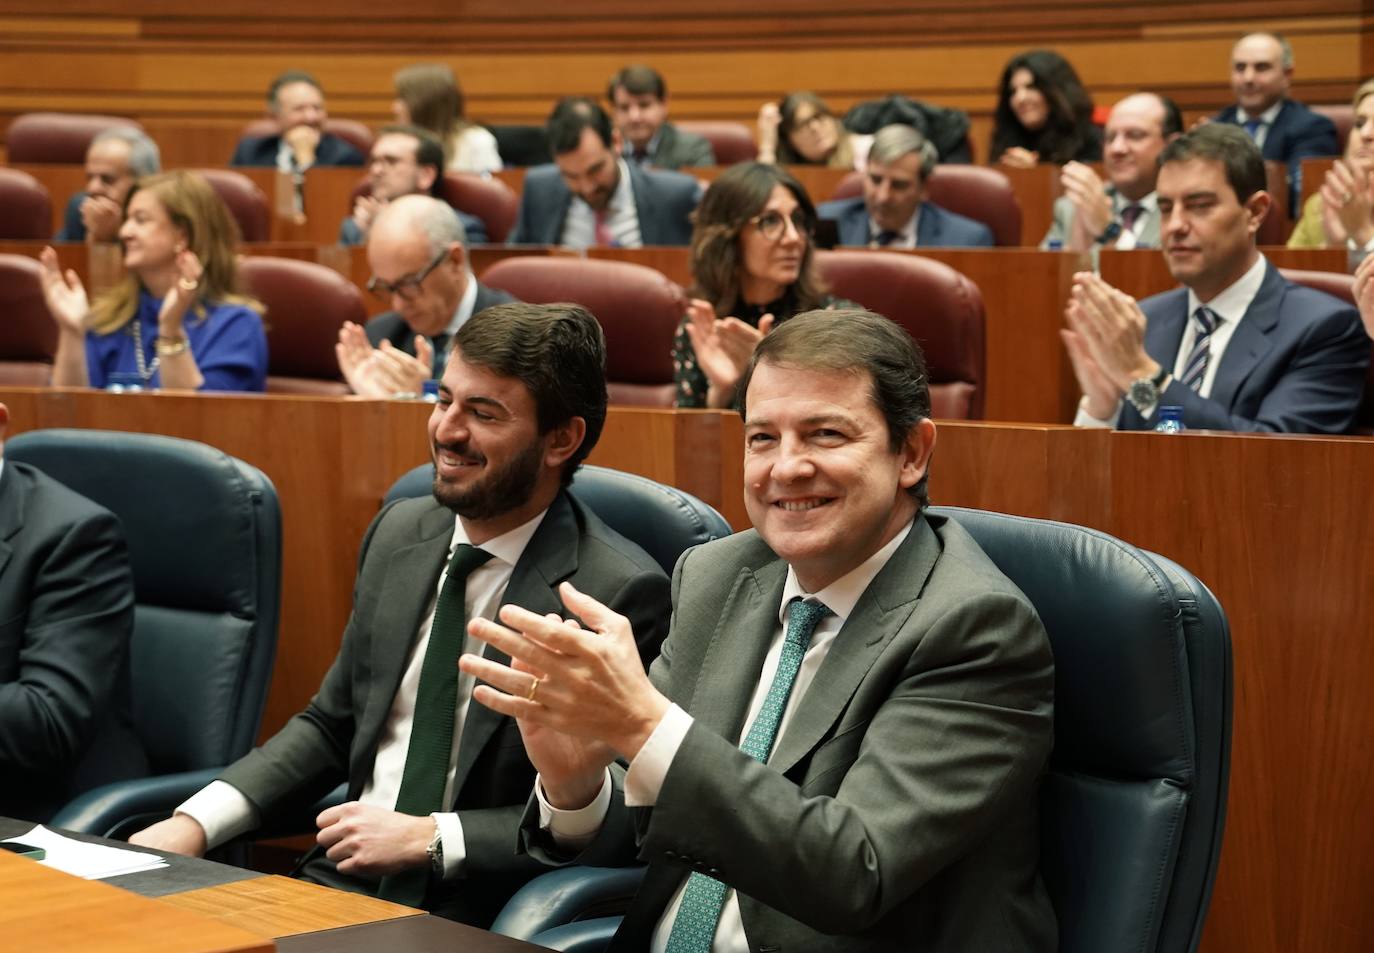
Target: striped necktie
695	924
1195	368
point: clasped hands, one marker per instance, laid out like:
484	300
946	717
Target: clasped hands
1092	207
1105	339
580	695
723	347
385	371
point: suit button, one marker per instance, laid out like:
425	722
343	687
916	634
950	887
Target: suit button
670	855
714	873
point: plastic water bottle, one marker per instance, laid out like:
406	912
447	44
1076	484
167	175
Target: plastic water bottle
1170	420
429	392
124	382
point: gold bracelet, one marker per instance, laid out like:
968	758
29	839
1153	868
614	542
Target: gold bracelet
166	347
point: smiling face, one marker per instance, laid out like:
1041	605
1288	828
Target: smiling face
1208	234
1258	76
1027	102
150	239
771	265
1133	141
822	484
300	104
489	457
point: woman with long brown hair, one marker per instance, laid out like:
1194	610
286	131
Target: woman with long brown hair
176	321
754	262
428	96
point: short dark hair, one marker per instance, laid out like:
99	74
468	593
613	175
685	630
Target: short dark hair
860	342
1173	116
557	351
1225	143
638	81
429	151
570	116
286	79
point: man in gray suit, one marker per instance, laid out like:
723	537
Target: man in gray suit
894	212
590	195
840	746
418	253
522	403
1123	212
639	97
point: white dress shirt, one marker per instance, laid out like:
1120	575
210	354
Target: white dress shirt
574	829
579	225
1266	119
224	812
906	237
1230	307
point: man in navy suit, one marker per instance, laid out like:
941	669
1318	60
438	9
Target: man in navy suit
115	159
296	102
1285	130
591	195
1239	347
893	212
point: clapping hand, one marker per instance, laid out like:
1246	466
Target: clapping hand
64	295
723	347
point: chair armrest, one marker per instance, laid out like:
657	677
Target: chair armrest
120	808
567	894
584	936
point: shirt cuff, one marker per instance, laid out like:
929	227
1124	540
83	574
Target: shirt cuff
1364	249
451	839
574	830
222	810
1085	419
645	778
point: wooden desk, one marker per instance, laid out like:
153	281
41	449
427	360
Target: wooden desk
1278	527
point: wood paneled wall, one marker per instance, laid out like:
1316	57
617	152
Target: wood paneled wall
201	72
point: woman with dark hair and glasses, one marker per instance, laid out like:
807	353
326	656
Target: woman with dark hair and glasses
753	265
1043	114
800	129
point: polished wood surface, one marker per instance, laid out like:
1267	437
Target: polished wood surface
279	906
45	909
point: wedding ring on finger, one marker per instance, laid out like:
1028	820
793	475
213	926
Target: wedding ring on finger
1346	197
186	284
534	687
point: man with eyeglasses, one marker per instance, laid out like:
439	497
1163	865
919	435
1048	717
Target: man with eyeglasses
417	250
436	785
405	160
591	195
893	211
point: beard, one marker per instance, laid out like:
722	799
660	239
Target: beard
498	491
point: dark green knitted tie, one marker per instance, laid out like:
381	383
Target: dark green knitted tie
431	729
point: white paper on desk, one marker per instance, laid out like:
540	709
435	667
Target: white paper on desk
91	861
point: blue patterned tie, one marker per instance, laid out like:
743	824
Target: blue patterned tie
695	924
1195	369
1252	128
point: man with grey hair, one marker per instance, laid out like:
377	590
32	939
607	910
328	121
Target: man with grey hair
1284	129
893	212
114	159
417	249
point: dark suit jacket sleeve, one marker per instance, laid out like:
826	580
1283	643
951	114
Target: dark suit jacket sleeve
71	620
250	152
960	740
1311	135
474	228
696	150
334	151
73	229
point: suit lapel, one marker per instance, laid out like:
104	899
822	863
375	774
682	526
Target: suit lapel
548	559
928	226
642	189
411	577
1250	341
880	612
12	497
854	225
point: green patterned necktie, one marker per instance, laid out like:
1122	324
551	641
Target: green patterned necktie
695	924
431	728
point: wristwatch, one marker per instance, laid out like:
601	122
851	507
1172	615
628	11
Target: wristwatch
436	852
1109	234
1144	392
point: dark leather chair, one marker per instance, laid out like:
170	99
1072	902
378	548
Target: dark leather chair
984	195
25	209
639	310
491	200
1134	805
731	141
306	305
1341	286
521	145
1343	116
46	137
204	532
245	201
663	520
1278	223
939	307
28	334
355	133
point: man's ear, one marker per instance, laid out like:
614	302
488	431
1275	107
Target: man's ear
1257	208
426	177
916	453
563	441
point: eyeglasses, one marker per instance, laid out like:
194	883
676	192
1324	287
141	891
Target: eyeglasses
773	225
408	287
